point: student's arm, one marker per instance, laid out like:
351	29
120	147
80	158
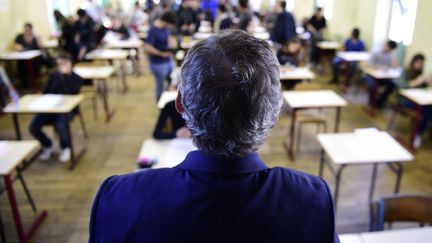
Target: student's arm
420	80
150	49
74	85
50	84
17	44
38	42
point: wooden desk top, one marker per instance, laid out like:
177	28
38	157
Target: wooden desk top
202	36
188	44
107	54
329	45
166	97
419	96
93	72
417	235
20	55
261	35
313	99
362	147
168	153
392	73
296	73
125	44
354	56
50	43
350	238
49	104
13	153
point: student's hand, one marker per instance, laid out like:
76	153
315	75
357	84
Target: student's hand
166	54
183	133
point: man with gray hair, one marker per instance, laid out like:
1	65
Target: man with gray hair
230	98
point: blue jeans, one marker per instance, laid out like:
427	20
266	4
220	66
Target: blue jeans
426	115
336	65
374	84
161	71
60	122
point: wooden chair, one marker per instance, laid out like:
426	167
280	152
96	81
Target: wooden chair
398	109
399	208
310	116
90	93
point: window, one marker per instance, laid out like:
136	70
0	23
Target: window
327	5
402	21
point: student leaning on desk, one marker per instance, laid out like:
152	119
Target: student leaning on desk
63	81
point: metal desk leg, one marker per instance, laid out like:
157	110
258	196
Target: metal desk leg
16	126
22	235
290	146
372	186
26	190
415	127
74	158
338	179
322	161
399	172
104	95
338	118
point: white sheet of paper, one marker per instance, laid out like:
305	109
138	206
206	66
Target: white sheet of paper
46	102
4	148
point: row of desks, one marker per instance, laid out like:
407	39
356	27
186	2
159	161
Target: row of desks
416	235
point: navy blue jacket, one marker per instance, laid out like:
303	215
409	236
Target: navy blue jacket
284	28
208	199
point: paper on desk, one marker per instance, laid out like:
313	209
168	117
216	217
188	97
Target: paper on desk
4	148
46	102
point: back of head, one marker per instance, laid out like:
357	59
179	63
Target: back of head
222	8
231	93
169	18
81	13
244	3
392	45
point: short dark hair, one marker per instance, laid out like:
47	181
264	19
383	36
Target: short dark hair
231	93
222	8
283	4
392	44
318	9
169	17
81	13
244	3
355	33
28	25
64	55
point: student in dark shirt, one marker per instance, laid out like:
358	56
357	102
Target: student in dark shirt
245	15
223	20
85	34
25	42
284	28
187	18
66	40
289	53
316	24
120	28
352	44
177	126
156	46
414	78
62	81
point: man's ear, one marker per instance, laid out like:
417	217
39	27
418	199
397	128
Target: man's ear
178	103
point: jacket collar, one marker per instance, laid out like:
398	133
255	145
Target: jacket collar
198	161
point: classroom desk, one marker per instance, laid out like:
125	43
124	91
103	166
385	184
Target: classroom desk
13	154
298	100
417	235
38	104
99	74
167	153
124	44
329	45
50	44
362	147
202	36
28	57
296	73
111	55
379	74
261	35
205	29
352	57
166	97
420	97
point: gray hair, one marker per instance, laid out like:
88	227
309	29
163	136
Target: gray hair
231	93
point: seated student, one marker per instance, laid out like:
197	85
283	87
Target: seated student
352	44
414	78
25	42
223	20
382	60
62	81
289	53
85	38
187	18
120	28
177	126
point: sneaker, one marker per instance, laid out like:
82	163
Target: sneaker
417	141
65	155
46	153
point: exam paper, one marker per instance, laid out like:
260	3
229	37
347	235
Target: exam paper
46	102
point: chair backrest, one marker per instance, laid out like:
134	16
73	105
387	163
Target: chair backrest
402	208
304	86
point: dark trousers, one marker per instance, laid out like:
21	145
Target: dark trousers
373	84
60	123
336	67
426	115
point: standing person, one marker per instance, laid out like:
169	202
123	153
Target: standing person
85	38
230	97
316	25
223	20
382	60
415	78
25	42
244	14
63	81
353	44
157	46
159	10
187	18
66	40
284	28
